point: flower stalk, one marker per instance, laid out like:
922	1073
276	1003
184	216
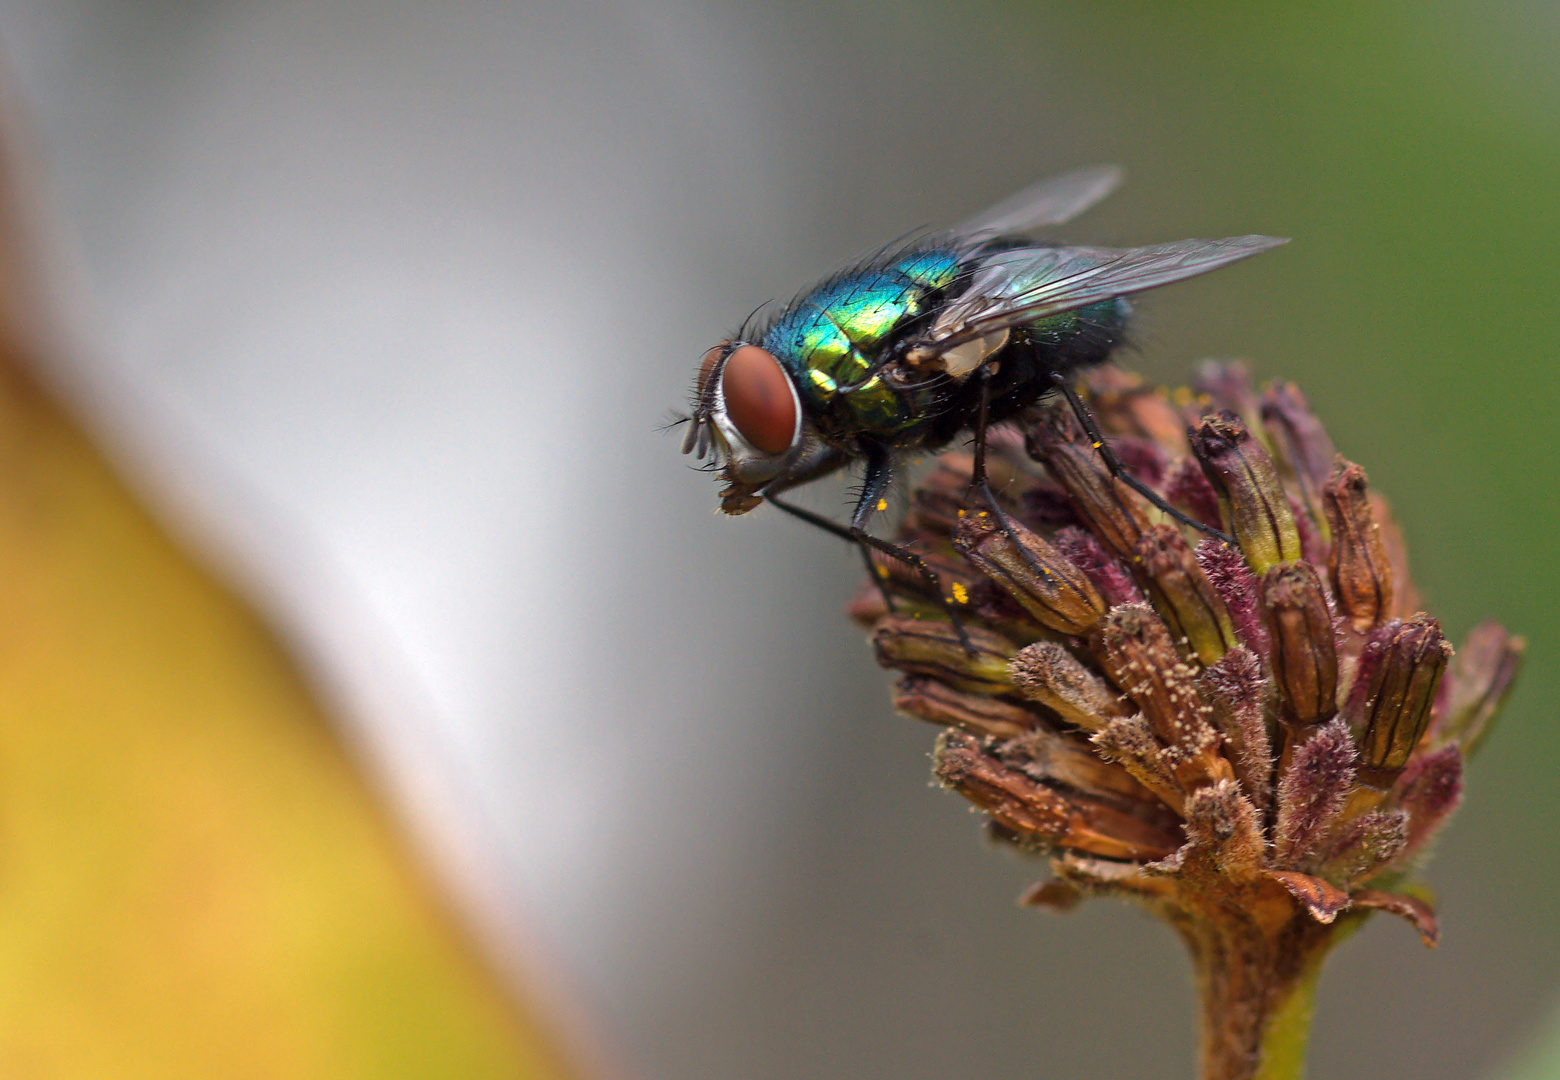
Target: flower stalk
1255	741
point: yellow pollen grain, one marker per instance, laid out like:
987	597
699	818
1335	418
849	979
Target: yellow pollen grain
960	593
962	512
1097	445
882	572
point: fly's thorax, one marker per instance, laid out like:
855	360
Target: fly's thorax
846	398
836	342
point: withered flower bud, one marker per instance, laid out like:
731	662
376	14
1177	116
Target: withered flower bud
1183	596
1357	563
1069	759
1058	594
1253	503
1395	690
936	702
1110	509
1036	816
1302	649
1171	727
1046	672
1140	658
924	647
1224	835
1130	742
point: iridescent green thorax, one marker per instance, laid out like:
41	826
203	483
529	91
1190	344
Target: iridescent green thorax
830	339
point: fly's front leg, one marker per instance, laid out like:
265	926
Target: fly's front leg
823	461
819	521
874	488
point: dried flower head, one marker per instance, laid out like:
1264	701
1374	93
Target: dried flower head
1257	741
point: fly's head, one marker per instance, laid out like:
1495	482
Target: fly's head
747	413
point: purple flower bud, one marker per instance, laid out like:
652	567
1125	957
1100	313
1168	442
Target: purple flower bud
1394	691
1299	441
1311	793
1481	675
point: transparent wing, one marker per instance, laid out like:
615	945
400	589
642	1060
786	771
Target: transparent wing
1024	285
1048	202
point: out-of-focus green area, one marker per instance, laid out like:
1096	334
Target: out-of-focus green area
1541	1061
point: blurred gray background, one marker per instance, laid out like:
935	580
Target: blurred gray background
386	301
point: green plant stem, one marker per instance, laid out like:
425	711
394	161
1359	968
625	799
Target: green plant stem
1257	985
1288	1031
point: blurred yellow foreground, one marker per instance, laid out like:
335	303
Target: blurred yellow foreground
194	879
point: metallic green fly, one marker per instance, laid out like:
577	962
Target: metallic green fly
907	351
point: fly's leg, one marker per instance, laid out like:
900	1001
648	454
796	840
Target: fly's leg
836	529
979	482
873	487
1119	471
820	462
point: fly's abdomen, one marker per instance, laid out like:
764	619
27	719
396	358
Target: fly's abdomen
1080	338
832	338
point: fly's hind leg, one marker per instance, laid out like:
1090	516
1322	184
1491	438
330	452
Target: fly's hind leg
1117	469
980	483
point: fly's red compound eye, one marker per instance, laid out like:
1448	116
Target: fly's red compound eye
760	401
